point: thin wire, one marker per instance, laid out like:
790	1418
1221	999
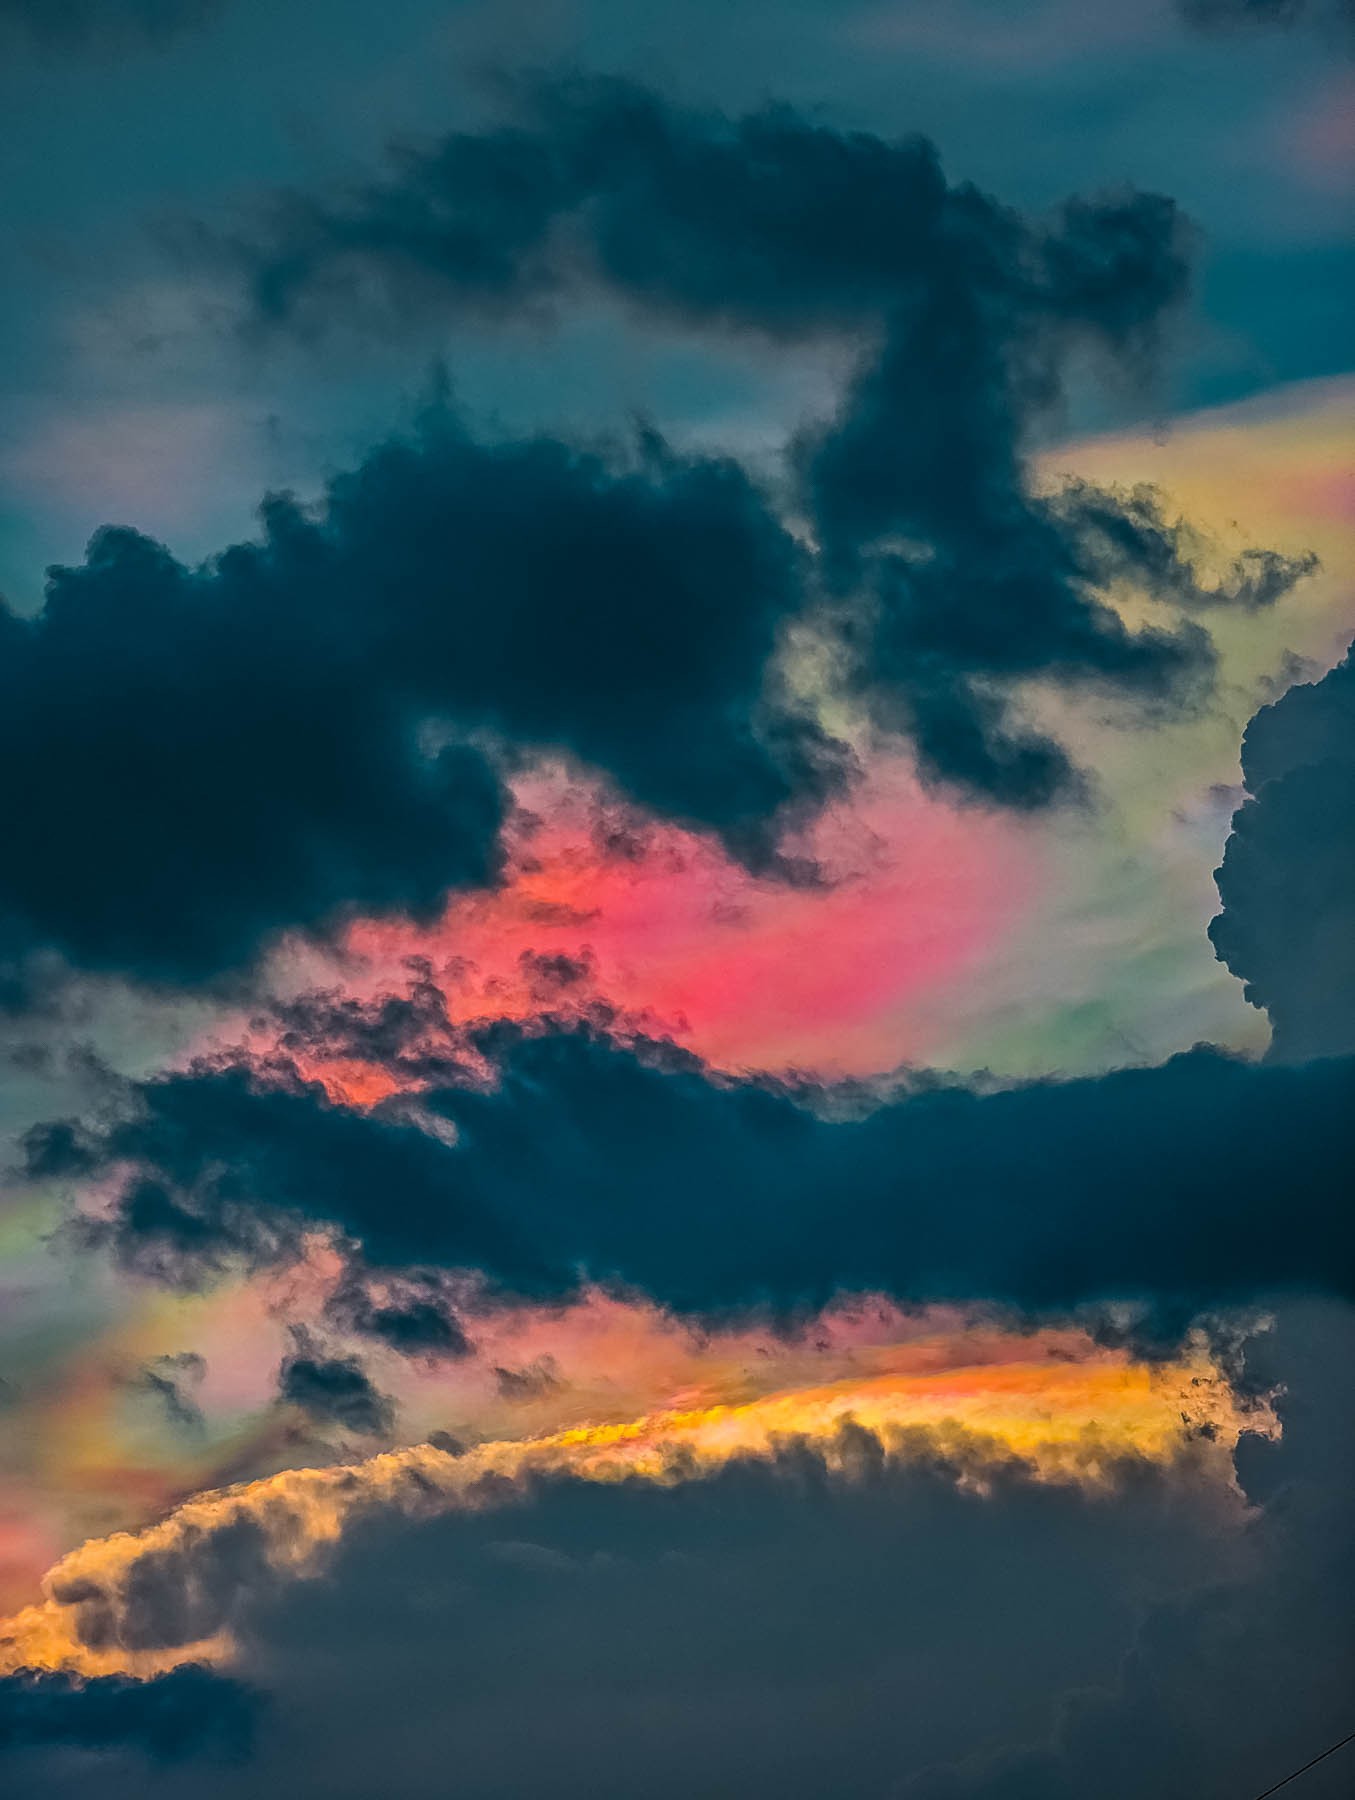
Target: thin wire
1320	1757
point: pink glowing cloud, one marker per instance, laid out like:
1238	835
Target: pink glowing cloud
746	972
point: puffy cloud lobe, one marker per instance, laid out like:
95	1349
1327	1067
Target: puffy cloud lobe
776	225
768	223
189	1711
629	1161
1287	881
208	755
994	584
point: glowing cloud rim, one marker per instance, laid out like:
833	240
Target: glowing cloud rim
1076	1423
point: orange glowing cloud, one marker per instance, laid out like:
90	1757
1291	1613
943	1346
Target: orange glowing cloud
1071	1418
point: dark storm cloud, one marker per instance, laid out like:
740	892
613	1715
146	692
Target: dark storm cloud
1230	1689
188	1712
1287	881
103	25
195	758
333	1390
770	1629
773	1628
630	1161
775	225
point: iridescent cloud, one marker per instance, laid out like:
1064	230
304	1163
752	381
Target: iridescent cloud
1064	1410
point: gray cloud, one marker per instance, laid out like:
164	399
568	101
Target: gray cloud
967	317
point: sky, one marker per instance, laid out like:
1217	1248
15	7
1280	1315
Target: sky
677	994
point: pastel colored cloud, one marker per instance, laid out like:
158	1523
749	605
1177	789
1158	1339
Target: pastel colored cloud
1066	1418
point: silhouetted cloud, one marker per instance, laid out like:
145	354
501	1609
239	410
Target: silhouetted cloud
1235	1687
411	1311
279	736
191	1711
772	224
1287	881
631	1161
317	722
333	1390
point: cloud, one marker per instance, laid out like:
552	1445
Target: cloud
172	1380
189	1711
793	1617
967	317
772	1628
539	1377
628	1160
1125	537
411	1312
280	736
1287	880
105	25
772	223
182	1589
1237	1686
333	1390
318	723
1262	15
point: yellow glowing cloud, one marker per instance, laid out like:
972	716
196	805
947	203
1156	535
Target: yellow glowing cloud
1059	1420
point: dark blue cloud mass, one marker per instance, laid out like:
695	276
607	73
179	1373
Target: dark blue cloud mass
596	1152
968	315
630	1162
193	759
1287	881
190	1712
317	722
